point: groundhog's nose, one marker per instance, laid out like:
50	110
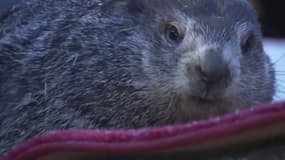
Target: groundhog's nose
212	69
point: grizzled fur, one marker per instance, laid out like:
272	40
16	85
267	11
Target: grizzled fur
106	64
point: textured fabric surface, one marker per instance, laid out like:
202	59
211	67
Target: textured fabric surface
252	134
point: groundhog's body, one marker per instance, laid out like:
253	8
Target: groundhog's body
92	64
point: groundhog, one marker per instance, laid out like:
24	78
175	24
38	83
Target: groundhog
89	64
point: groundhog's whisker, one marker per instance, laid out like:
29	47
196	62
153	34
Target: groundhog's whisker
280	73
279	59
277	98
282	84
280	80
280	91
280	87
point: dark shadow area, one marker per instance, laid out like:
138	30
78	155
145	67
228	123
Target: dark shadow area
273	21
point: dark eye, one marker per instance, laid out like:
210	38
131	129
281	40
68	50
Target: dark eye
249	43
173	34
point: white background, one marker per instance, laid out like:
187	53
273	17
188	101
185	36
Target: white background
275	48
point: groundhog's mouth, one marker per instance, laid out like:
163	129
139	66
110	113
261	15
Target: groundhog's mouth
189	108
200	101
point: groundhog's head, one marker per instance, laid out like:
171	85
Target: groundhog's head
207	54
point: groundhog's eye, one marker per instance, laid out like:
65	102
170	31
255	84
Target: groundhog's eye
173	33
248	43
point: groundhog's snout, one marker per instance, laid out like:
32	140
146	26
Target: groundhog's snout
212	69
212	77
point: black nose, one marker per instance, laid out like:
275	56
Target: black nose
213	69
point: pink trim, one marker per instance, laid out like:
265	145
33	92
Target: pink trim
150	139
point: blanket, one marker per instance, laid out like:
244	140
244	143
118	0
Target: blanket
256	133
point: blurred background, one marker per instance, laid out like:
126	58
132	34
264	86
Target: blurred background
272	17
